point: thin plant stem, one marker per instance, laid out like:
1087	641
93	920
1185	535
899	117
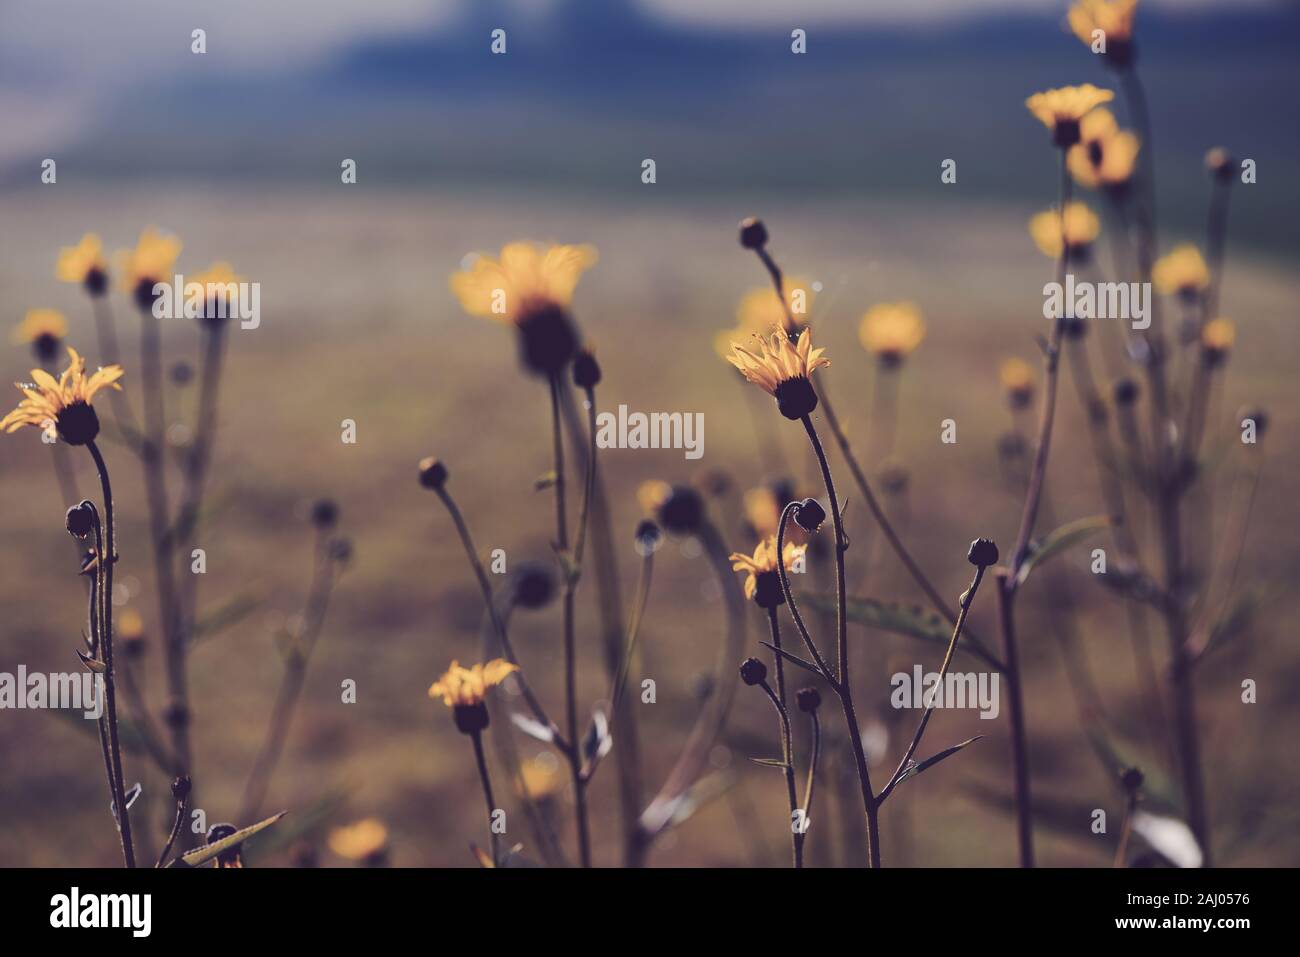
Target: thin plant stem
1121	852
107	558
1016	707
812	769
633	631
481	760
151	454
197	464
609	594
787	756
967	599
93	611
774	628
1038	472
713	716
843	690
291	684
179	820
106	330
570	571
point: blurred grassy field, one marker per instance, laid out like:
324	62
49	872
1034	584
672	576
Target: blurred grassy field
357	323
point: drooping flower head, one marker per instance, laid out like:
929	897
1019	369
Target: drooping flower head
464	690
43	330
763	581
1017	378
1114	18
782	369
1105	155
64	404
84	264
1076	230
153	260
1062	109
531	287
1183	272
891	331
365	841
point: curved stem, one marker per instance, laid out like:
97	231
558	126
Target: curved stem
787	755
789	597
633	631
498	624
570	571
843	689
481	760
107	558
966	600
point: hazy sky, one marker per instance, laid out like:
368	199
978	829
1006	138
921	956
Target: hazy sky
60	60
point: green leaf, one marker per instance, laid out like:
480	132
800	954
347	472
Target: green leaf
770	762
916	768
206	853
1058	540
910	620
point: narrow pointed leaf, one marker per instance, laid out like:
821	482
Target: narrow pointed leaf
910	620
202	855
795	659
1058	540
916	767
770	762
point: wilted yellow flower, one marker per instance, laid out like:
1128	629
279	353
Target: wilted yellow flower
1114	18
1183	272
1062	109
1217	338
66	403
782	369
84	263
1081	228
1105	155
366	840
463	687
762	581
890	331
152	261
43	330
1017	378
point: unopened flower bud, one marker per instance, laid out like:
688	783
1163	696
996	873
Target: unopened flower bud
586	370
753	671
753	234
808	699
433	474
982	553
809	515
80	520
